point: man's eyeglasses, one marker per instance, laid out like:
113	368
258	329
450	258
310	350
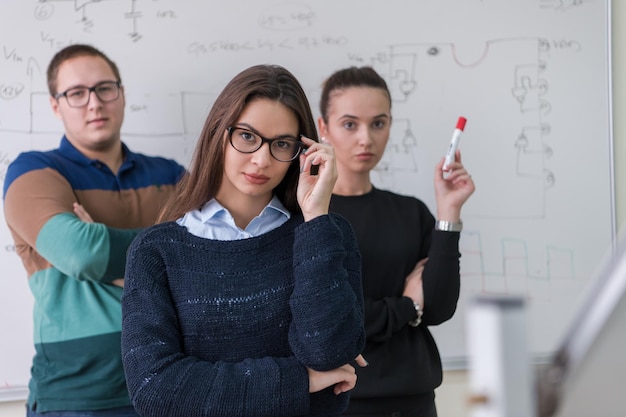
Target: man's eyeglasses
79	96
284	148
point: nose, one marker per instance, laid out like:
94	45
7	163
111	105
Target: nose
94	100
262	156
364	137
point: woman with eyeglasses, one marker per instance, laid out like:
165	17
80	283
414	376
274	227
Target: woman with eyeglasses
246	300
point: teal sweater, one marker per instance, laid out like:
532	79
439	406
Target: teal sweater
70	265
229	328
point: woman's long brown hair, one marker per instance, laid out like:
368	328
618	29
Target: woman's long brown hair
204	177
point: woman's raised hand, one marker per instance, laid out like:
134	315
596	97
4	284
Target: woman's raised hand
453	190
315	189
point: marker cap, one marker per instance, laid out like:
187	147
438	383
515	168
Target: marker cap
460	124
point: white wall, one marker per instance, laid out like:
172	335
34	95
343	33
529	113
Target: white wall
451	396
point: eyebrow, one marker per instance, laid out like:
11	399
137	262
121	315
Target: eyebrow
253	130
379	116
86	86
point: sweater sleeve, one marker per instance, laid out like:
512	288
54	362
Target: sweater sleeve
38	209
390	314
441	278
164	381
327	330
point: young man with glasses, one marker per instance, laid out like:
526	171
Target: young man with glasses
73	212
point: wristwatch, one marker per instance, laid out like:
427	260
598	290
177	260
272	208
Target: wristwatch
446	226
418	310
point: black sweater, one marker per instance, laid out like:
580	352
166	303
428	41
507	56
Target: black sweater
394	232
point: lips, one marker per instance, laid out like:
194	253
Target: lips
97	122
256	179
365	155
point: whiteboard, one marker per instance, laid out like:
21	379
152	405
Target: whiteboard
531	77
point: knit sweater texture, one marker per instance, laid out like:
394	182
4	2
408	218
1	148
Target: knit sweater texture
394	232
229	328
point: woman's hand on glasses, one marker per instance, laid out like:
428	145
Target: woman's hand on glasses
315	190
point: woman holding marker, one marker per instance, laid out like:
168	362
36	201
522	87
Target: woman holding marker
247	300
410	258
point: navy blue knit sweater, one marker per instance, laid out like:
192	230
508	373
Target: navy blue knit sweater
228	328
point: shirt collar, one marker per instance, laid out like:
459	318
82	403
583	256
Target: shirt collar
68	150
213	209
275	204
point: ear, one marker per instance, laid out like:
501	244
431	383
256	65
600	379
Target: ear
54	103
321	127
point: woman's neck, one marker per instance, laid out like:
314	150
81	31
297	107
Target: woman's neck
350	184
244	209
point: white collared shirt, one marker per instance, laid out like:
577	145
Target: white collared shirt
214	221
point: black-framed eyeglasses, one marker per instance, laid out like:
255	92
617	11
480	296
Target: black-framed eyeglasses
79	96
284	148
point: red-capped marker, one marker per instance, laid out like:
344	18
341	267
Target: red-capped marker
460	124
454	143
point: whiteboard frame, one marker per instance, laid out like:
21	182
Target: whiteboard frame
460	363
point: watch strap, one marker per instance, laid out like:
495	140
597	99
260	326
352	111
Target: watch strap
446	226
416	321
